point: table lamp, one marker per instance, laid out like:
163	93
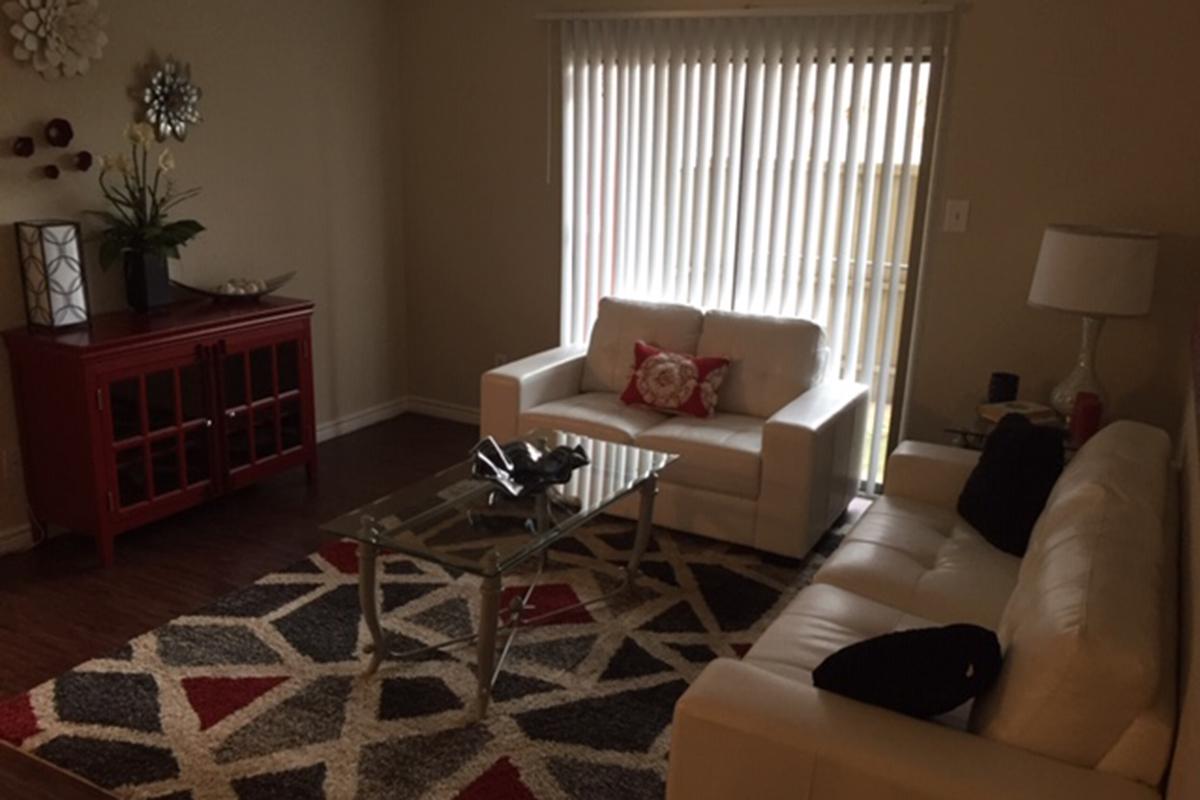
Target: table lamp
1099	273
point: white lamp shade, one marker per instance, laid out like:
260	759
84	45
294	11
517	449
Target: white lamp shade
1095	271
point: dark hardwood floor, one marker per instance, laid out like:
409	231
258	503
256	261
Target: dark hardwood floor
59	607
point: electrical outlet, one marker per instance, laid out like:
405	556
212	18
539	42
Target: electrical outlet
956	216
499	359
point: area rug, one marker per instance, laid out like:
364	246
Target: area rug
261	696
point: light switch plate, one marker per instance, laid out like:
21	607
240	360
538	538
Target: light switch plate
956	216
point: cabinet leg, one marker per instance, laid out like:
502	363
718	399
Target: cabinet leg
310	472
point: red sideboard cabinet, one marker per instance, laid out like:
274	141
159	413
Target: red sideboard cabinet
138	416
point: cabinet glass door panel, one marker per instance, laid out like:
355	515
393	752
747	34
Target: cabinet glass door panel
262	373
161	423
234	385
191	392
264	410
196	456
164	465
160	399
237	440
125	404
291	428
131	476
287	356
265	442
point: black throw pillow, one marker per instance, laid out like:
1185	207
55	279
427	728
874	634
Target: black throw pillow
1008	487
921	672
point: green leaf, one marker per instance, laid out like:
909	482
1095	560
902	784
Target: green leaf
187	228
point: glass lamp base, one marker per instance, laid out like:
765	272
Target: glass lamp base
1081	379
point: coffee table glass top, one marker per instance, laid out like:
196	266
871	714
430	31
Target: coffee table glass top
456	520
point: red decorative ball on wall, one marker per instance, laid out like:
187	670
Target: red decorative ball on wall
59	132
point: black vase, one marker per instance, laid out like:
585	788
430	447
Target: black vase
147	285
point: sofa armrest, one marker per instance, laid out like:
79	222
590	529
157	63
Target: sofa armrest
812	449
505	392
929	473
742	731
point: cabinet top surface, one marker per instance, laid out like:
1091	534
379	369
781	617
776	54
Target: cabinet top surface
118	328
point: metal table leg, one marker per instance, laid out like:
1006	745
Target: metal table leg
648	490
489	620
369	601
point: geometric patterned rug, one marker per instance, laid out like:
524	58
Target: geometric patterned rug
261	696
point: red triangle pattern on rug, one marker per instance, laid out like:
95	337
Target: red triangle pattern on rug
502	781
343	555
17	720
546	598
214	699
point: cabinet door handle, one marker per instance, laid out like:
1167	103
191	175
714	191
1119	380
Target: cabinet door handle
231	413
208	423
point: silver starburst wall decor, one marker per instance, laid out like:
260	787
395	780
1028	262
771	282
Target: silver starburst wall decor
172	100
58	38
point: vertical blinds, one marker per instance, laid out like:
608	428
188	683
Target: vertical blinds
766	165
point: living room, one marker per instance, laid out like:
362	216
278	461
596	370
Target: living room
432	199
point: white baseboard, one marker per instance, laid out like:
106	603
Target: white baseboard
333	428
443	410
16	539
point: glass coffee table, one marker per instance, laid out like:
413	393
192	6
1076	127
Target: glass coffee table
458	521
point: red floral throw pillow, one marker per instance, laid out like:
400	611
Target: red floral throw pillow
674	382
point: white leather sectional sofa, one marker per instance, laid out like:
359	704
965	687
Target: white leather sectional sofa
1085	706
772	469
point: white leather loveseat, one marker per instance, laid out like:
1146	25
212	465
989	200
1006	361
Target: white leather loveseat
1085	704
772	469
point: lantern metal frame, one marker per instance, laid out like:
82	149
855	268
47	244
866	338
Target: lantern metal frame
52	305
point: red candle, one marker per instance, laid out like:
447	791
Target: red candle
1085	417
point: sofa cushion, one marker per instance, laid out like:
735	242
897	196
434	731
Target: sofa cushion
1083	630
722	453
620	323
818	622
925	560
1124	457
773	360
598	414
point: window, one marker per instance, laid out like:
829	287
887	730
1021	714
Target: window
767	165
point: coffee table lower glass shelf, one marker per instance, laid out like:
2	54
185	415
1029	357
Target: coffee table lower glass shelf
458	521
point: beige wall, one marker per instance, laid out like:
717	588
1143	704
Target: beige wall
292	156
1078	110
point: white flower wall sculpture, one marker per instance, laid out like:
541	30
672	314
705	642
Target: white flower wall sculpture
58	38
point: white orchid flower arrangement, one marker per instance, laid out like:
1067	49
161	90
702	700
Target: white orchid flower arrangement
140	200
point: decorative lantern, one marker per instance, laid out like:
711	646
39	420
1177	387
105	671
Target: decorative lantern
51	261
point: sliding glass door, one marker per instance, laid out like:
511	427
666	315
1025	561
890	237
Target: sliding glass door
767	165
